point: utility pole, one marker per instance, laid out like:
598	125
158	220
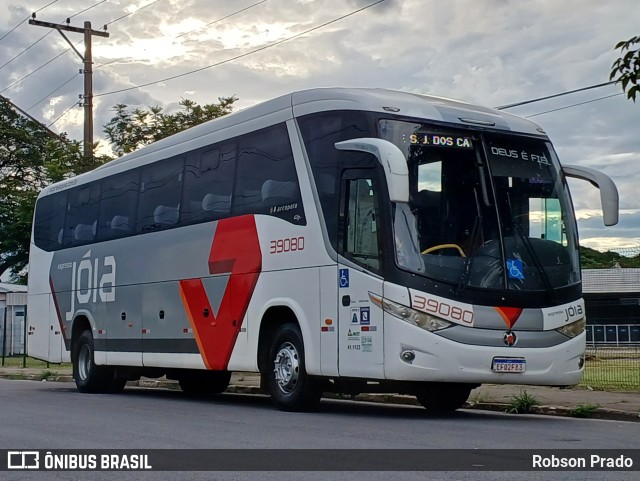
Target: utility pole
87	71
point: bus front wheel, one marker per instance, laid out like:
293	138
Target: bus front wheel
89	377
291	388
443	397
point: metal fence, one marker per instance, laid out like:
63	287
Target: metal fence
12	330
612	368
613	334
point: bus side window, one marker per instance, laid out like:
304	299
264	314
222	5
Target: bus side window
160	192
118	205
208	183
49	222
320	132
266	180
82	215
360	220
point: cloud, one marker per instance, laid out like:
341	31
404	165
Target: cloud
625	233
492	52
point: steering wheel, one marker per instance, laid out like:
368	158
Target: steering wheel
444	246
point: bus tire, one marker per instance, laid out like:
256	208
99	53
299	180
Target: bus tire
291	388
203	383
443	397
89	377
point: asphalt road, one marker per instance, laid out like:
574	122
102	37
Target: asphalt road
42	415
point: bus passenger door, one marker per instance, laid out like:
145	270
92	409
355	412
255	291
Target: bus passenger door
360	345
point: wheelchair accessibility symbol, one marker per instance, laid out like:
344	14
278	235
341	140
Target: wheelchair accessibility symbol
344	278
514	268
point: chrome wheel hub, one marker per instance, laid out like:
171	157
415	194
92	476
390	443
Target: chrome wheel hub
287	368
84	362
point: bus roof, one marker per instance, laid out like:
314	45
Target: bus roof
316	100
409	104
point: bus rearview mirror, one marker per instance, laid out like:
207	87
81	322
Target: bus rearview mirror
608	191
392	160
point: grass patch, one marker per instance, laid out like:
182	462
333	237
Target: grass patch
522	403
46	374
31	363
611	374
584	410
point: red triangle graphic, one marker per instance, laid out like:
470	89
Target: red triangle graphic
509	315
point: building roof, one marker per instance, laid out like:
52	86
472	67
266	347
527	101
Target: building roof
616	280
6	287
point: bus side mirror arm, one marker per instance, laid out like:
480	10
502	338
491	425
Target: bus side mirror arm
392	160
608	191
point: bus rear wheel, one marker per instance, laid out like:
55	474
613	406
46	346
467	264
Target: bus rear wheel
291	388
443	397
89	377
203	383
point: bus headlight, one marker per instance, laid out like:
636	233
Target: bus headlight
416	318
573	329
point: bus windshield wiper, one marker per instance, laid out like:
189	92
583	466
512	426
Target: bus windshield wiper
475	232
544	277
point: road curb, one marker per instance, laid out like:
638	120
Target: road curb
561	411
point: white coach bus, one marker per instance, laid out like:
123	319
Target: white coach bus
345	240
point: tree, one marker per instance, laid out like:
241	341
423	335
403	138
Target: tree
129	130
31	157
626	70
593	259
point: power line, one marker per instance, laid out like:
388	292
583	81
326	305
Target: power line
573	105
220	19
27	49
65	83
230	59
53	92
131	13
34	71
517	104
63	114
87	60
67	50
107	63
46	128
88	8
62	85
259	49
27	18
49	33
58	56
76	75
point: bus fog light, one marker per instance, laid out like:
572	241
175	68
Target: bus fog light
408	356
581	362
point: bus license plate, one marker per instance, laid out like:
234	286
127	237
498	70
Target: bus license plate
508	364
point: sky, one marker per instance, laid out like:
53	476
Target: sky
488	52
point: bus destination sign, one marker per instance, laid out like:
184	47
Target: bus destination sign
440	140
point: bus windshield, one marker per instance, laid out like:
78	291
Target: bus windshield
486	210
